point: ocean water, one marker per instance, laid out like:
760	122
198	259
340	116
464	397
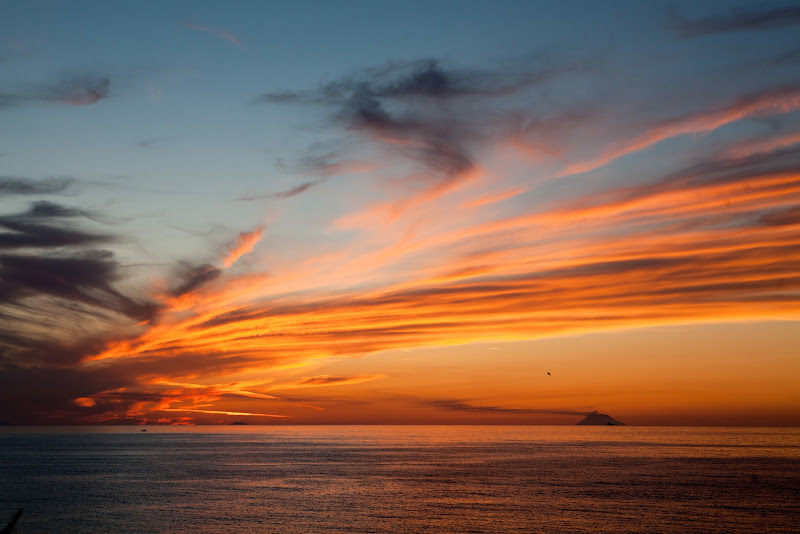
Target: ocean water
310	479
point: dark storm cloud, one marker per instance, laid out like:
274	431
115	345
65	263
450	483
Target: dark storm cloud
465	406
737	19
17	185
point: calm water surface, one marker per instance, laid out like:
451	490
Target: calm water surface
401	479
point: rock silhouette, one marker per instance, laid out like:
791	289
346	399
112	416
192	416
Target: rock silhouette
596	418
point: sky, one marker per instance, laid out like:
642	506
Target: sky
509	212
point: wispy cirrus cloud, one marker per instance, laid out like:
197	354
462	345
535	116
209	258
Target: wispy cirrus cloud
774	101
696	246
750	18
20	185
217	33
459	405
423	112
71	89
327	380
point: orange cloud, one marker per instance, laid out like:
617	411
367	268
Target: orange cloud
244	245
220	412
327	380
473	255
771	103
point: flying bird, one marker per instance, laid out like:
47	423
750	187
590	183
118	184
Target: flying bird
548	373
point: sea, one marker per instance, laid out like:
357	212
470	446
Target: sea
414	479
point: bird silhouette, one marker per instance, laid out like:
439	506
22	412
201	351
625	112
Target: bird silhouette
548	373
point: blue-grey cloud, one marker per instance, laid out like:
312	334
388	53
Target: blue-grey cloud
31	228
72	89
19	185
428	113
737	19
192	278
149	143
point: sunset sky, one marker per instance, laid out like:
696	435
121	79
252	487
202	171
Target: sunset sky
399	212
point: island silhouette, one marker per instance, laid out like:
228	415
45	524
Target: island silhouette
596	418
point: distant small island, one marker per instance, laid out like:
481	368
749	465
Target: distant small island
596	418
237	423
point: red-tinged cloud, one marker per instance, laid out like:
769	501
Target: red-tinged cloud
71	89
217	33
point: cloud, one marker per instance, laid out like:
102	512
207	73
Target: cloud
328	380
737	19
783	217
297	190
71	89
466	406
245	243
217	33
323	166
764	103
16	185
78	90
84	278
423	112
194	278
289	193
27	230
697	245
71	271
149	143
220	412
57	289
